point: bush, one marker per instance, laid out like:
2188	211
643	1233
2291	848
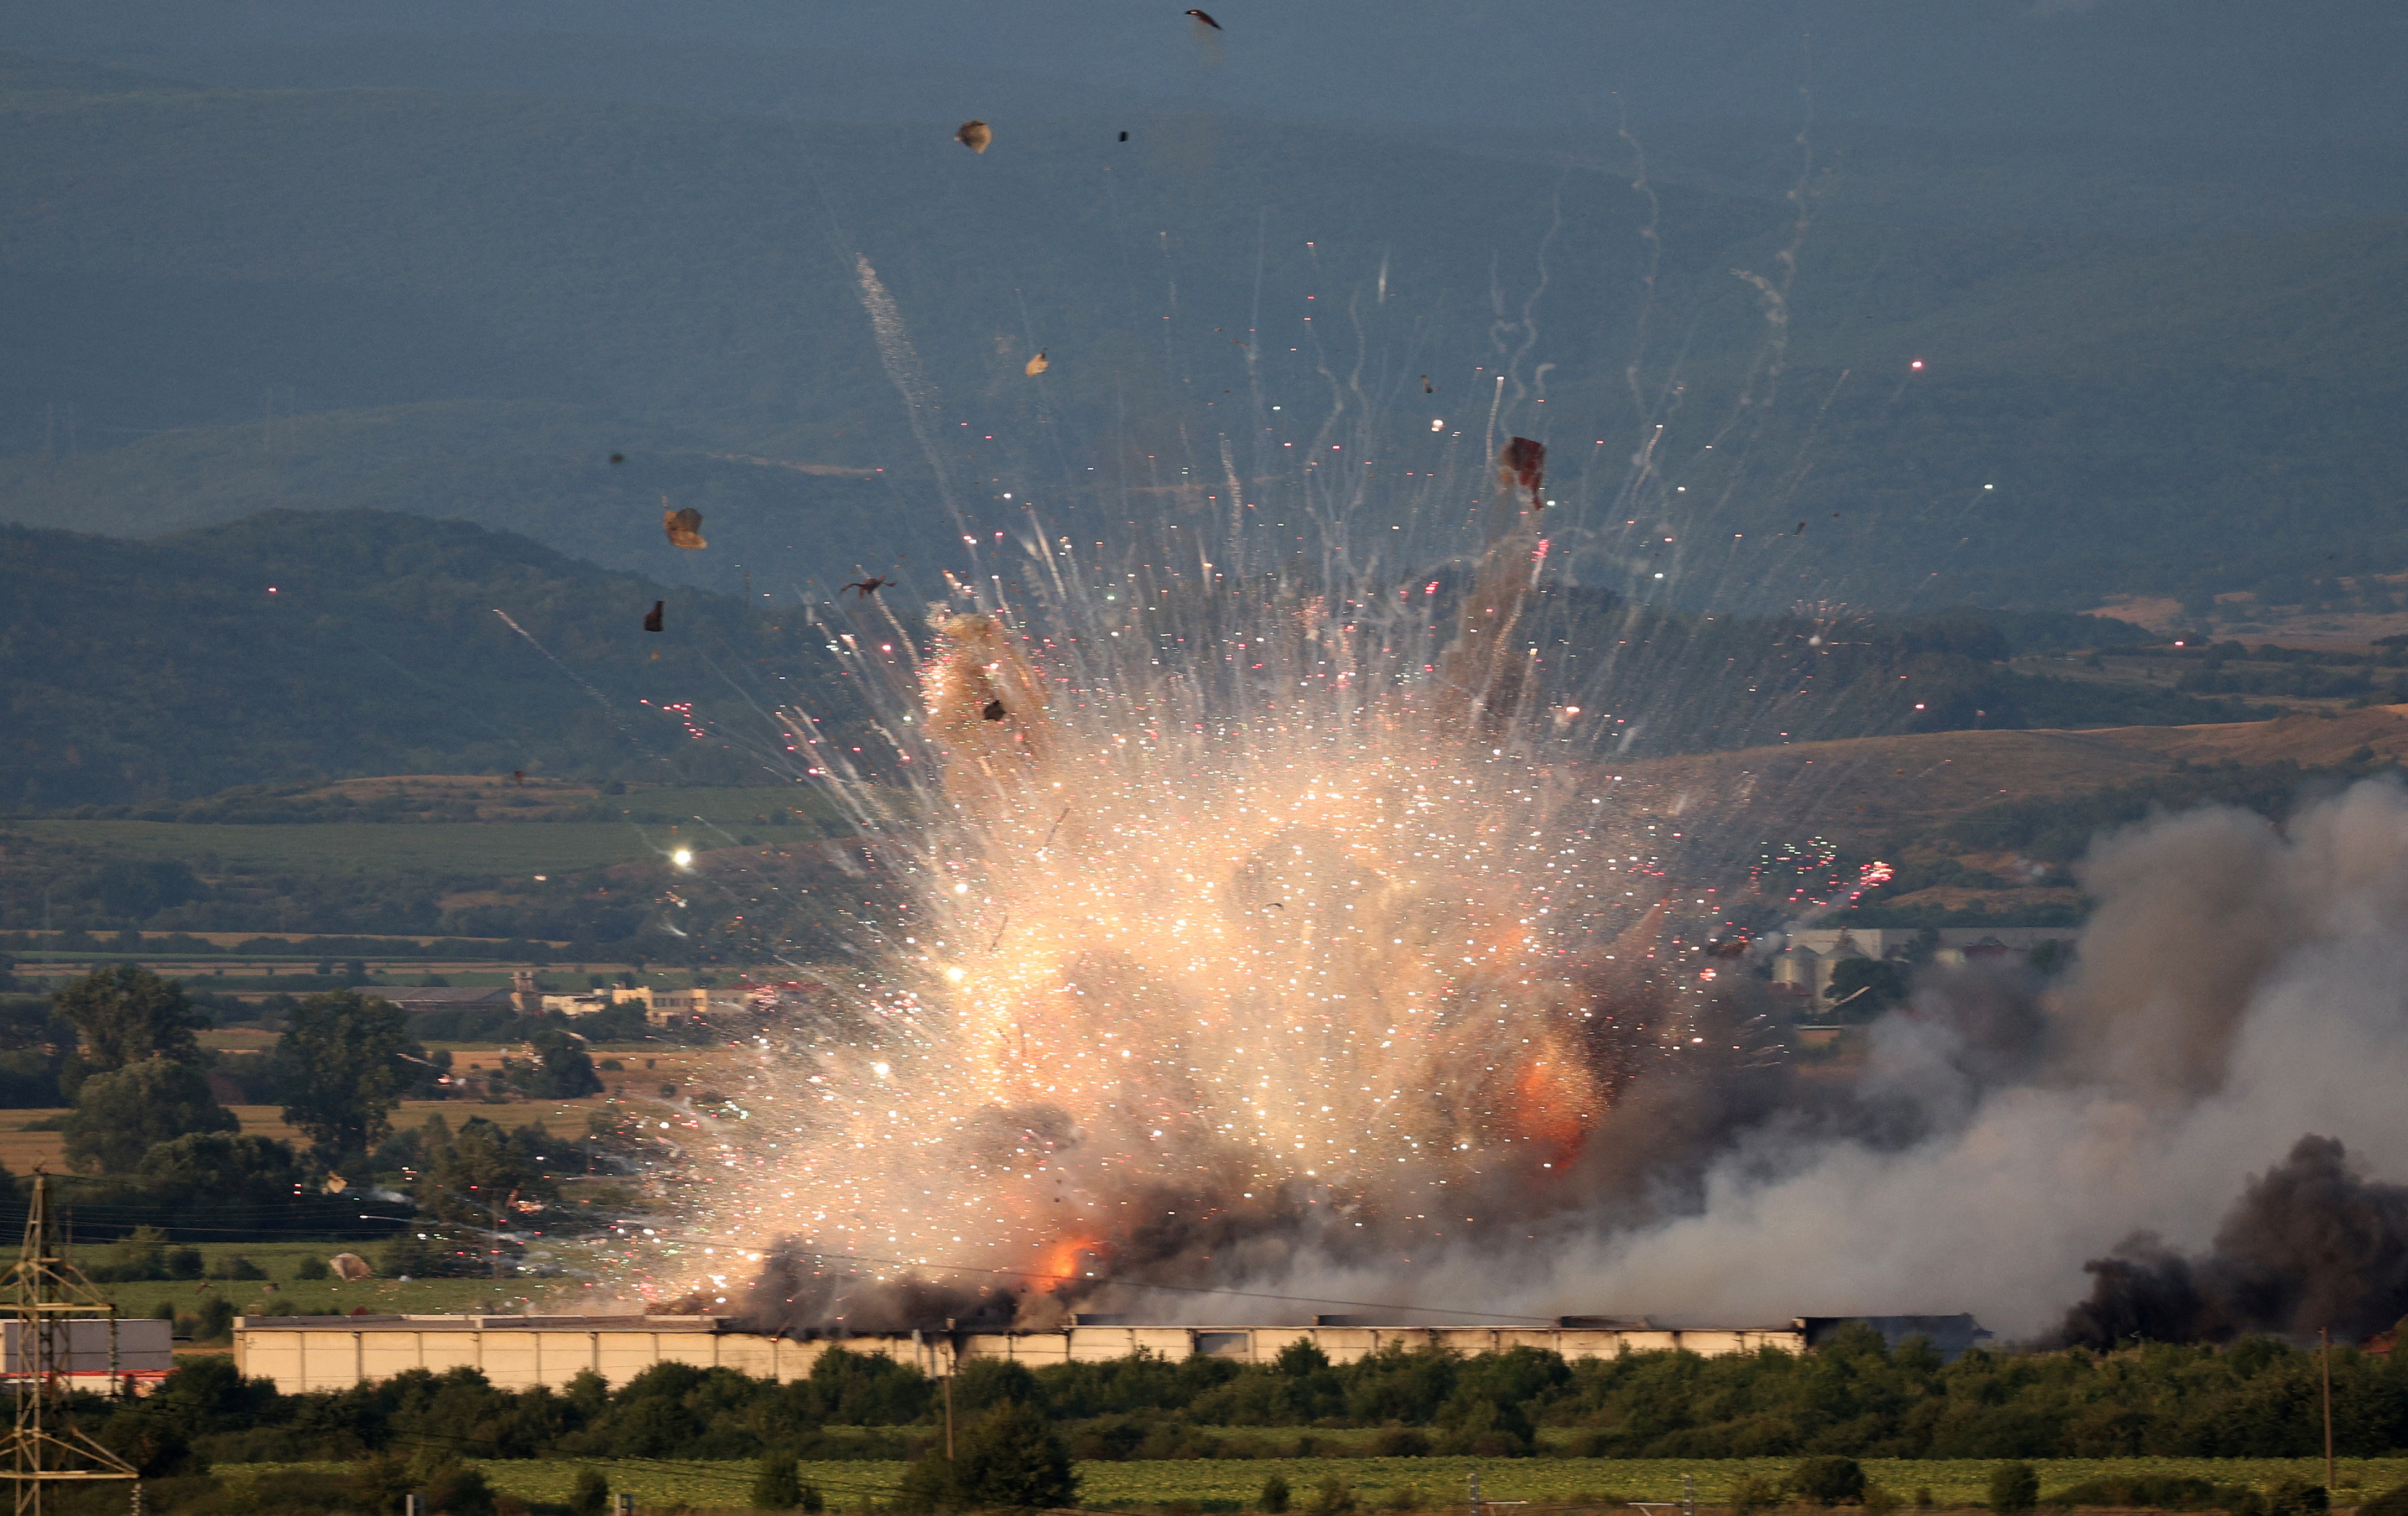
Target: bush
779	1486
1833	1481
235	1267
1332	1496
1401	1442
2391	1502
311	1268
454	1489
1273	1500
590	1494
1010	1457
1753	1493
185	1262
2013	1489
2296	1498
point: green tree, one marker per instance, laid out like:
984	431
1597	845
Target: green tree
590	1494
1830	1481
126	1014
1009	1458
1274	1498
225	1168
2013	1489
343	1063
119	1117
564	1070
479	1169
778	1486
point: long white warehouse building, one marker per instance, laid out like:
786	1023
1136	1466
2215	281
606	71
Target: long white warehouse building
333	1353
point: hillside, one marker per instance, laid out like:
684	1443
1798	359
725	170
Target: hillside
1987	822
292	645
542	280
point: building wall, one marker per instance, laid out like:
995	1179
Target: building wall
516	1352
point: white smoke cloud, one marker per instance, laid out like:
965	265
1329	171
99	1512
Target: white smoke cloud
2240	985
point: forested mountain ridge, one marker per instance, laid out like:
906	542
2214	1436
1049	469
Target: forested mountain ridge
292	645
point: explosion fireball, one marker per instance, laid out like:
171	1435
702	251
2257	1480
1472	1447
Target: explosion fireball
1243	919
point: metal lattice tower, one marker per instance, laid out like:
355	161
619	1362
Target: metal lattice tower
46	1295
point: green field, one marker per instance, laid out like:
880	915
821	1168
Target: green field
1425	1483
452	848
333	1297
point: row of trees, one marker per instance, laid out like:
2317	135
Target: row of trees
120	1043
1850	1398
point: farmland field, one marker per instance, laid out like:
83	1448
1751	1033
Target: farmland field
1232	1484
447	847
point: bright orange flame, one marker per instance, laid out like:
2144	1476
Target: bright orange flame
1062	1261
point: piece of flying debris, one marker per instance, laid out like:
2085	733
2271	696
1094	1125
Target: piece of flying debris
684	527
1036	365
1427	387
618	457
974	135
1205	20
653	617
1728	947
865	588
1801	529
993	712
1125	136
1524	462
518	776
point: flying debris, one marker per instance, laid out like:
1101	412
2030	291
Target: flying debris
653	617
618	457
1524	462
684	527
1427	387
1037	365
865	588
1216	26
1801	529
1125	136
993	712
518	776
1735	947
974	135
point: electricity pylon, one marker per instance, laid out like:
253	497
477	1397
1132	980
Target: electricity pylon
46	1295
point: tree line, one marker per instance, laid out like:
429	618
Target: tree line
154	1146
1854	1398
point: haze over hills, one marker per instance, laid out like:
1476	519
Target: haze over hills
348	298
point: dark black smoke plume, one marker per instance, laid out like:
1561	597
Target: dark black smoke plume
2309	1245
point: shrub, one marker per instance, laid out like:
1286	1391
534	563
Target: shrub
779	1486
456	1490
2013	1489
1401	1442
311	1268
2296	1498
1880	1500
1011	1457
185	1262
1332	1496
590	1494
1753	1493
1273	1500
2391	1502
1832	1481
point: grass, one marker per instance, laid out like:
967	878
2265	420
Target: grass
1378	1482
